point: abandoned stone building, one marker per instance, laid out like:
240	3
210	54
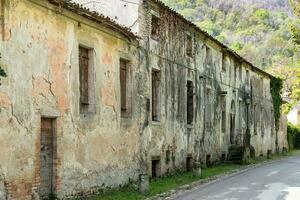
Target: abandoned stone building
89	105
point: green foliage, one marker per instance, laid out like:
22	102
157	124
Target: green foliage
210	27
236	46
276	88
261	14
164	184
293	134
295	31
2	73
265	33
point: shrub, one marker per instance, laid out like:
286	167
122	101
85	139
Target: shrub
293	134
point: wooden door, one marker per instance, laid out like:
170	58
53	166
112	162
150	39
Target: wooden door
46	158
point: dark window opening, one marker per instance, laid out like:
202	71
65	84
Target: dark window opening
125	87
190	102
224	62
189	45
240	74
189	163
155	95
208	109
223	114
208	161
155	168
209	62
255	118
155	27
223	157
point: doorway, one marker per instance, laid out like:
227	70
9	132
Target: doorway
46	158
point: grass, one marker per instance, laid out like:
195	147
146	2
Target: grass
165	184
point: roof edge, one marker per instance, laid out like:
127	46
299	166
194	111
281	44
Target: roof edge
223	46
97	17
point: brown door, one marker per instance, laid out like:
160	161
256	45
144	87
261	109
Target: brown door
46	158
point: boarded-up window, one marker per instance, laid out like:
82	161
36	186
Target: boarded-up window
189	46
155	95
154	27
190	102
223	114
125	88
84	75
86	79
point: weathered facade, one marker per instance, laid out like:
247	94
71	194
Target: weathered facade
88	106
52	139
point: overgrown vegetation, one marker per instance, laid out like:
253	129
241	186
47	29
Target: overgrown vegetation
293	136
2	73
276	88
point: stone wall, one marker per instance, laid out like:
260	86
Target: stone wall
100	149
171	139
39	51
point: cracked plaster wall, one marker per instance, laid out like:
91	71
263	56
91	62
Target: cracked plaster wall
40	55
105	150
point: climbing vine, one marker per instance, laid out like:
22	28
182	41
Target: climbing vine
276	87
2	73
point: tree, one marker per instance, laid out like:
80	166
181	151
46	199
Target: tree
295	30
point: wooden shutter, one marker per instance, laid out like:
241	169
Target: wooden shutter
123	84
84	75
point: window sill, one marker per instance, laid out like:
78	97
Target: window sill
156	123
190	126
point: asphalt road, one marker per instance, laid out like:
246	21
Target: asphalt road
274	181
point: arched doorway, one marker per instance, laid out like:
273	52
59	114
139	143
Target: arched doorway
232	122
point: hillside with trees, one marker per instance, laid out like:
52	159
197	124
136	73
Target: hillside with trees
259	30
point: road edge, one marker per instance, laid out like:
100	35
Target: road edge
171	194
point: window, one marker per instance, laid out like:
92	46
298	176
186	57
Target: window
208	109
247	77
86	79
262	86
189	46
256	114
125	88
234	84
262	120
208	61
154	27
240	74
190	102
224	63
155	95
223	114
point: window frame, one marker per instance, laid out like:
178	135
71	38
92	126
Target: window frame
127	111
88	107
